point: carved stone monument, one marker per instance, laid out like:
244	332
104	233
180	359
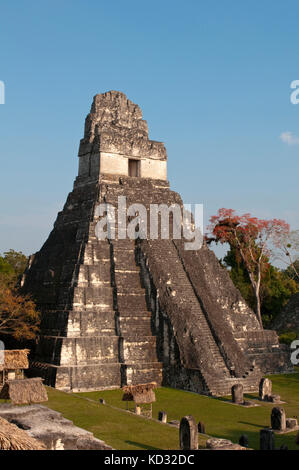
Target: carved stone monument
188	434
267	439
278	419
265	389
119	311
237	394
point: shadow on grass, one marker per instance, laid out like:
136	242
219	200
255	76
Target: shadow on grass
251	397
252	424
234	436
142	446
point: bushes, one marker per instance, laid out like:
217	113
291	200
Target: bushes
288	337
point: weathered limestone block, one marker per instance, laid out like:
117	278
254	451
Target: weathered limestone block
237	394
278	419
223	444
51	428
188	434
162	416
267	439
174	423
291	423
265	389
201	427
273	398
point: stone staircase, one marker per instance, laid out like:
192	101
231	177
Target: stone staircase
133	319
138	354
217	377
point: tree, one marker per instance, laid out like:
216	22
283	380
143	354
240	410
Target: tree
12	265
291	273
276	286
18	315
251	240
287	251
17	260
276	290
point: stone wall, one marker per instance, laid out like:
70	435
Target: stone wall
115	132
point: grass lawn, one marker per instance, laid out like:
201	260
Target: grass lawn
125	431
221	418
119	429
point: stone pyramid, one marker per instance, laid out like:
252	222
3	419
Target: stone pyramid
121	311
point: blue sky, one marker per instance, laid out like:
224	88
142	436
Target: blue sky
212	78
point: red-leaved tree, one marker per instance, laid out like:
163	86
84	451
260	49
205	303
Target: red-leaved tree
252	239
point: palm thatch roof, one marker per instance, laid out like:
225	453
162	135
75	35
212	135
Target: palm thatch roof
14	438
140	394
15	359
24	391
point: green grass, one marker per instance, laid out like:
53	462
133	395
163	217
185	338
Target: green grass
222	419
121	430
125	431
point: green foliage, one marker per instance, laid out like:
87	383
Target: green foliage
221	419
7	273
290	272
276	287
12	265
5	267
17	260
288	337
276	291
19	317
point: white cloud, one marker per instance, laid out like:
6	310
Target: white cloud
289	138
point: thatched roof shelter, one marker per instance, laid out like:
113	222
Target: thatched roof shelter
24	391
140	394
14	438
15	359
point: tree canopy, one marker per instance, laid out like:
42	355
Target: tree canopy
19	317
251	242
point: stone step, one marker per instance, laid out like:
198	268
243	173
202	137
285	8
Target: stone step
131	302
78	350
144	373
94	275
77	323
127	280
127	313
90	297
139	350
124	261
123	245
97	251
78	378
132	323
